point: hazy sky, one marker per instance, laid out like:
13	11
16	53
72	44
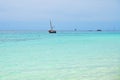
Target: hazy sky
65	14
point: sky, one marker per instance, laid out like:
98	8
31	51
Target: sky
65	14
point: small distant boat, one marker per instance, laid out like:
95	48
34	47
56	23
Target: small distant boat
75	29
51	30
99	30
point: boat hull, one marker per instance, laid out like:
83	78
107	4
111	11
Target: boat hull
52	31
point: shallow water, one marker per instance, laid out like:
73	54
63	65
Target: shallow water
34	55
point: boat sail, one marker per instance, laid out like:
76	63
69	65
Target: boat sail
51	30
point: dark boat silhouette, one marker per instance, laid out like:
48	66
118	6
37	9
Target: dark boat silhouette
51	30
99	30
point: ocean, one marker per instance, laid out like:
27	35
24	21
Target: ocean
66	55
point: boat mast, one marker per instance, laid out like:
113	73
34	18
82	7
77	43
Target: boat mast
51	25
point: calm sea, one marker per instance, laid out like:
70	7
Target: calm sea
36	55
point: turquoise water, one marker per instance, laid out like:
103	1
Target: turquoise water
34	55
